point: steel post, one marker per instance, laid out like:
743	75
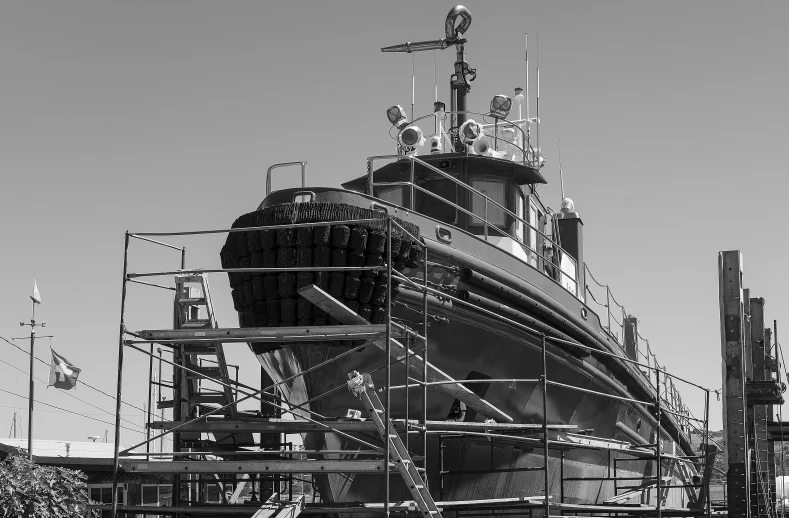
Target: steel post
148	416
121	330
706	487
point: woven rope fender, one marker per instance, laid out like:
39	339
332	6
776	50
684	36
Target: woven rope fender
271	299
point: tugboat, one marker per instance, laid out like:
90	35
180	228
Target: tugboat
503	269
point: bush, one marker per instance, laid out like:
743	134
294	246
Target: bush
28	489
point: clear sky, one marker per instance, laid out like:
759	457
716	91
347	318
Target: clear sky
165	115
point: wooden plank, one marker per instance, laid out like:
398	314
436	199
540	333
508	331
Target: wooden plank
345	315
732	318
265	334
281	508
255	466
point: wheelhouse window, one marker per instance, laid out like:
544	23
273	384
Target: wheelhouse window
393	194
438	204
496	190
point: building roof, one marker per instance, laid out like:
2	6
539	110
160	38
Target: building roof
75	454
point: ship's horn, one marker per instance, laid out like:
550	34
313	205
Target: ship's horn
481	147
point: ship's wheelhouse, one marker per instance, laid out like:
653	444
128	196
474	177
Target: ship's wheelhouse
491	198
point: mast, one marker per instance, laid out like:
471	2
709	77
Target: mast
456	24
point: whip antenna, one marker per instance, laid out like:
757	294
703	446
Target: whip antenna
561	177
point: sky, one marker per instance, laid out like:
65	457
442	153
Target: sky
163	116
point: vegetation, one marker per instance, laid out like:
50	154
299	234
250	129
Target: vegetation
28	489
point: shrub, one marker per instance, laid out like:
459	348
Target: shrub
28	489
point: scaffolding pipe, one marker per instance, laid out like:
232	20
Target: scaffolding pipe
545	438
116	449
424	367
658	504
387	409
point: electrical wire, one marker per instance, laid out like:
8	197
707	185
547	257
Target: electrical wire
105	412
68	411
81	381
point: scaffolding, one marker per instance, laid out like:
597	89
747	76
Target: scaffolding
228	463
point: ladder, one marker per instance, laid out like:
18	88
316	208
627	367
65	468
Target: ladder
361	385
194	310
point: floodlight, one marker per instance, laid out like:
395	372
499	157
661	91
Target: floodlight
397	117
500	106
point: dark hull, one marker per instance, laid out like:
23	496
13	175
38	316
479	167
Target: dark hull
472	342
465	342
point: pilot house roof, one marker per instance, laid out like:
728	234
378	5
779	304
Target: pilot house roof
451	163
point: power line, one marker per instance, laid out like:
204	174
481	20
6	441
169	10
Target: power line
68	411
72	395
83	382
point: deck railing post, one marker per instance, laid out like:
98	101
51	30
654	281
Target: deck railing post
485	224
412	201
121	330
608	305
545	427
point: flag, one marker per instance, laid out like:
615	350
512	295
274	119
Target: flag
62	373
36	296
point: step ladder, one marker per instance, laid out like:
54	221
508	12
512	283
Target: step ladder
194	310
361	385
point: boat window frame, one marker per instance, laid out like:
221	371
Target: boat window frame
476	222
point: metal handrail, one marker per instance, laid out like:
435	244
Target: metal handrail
286	164
371	184
467	212
510	123
672	397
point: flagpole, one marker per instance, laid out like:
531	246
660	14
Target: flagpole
36	298
30	400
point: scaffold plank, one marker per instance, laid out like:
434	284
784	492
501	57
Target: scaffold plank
299	426
263	334
456	389
281	508
255	466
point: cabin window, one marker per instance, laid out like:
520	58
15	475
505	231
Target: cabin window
433	205
393	194
496	190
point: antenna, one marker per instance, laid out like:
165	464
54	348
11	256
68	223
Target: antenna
537	56
413	84
435	81
561	177
526	54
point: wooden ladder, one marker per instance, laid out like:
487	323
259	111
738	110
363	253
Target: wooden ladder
362	386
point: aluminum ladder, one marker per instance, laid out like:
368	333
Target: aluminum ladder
192	295
361	385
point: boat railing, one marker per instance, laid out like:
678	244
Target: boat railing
616	329
528	156
568	280
286	164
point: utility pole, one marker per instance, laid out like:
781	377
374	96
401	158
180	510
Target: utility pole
33	326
